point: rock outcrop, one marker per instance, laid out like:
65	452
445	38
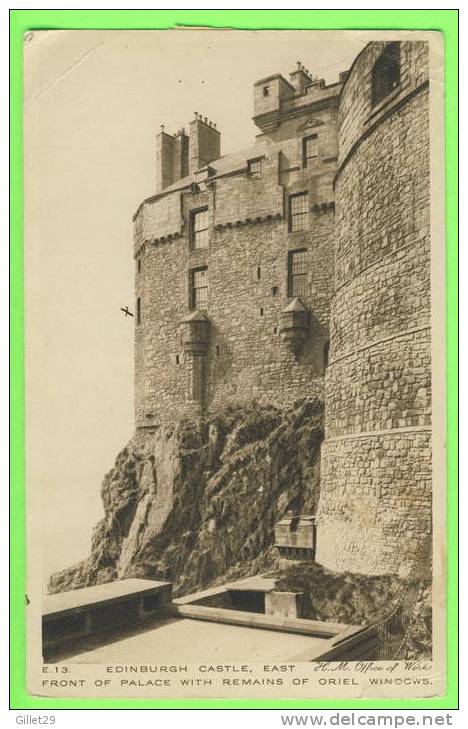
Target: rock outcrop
199	501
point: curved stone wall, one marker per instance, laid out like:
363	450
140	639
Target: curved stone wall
375	504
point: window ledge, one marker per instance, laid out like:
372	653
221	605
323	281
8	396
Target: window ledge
385	101
291	169
311	162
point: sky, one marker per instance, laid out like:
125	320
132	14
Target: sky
93	102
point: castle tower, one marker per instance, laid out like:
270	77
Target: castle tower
375	503
234	259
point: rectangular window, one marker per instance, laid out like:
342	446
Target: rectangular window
200	228
199	288
309	149
138	311
299	211
386	73
255	168
297	273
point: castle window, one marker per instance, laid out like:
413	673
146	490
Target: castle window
139	265
299	211
254	167
261	311
138	311
274	290
386	73
266	91
199	288
177	359
309	149
297	273
218	351
199	228
326	351
259	273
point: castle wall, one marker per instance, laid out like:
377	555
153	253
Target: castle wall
246	356
239	197
163	215
356	113
375	503
254	361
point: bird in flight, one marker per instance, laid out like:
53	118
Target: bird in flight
126	311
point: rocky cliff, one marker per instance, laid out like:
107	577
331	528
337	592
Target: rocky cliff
197	505
199	501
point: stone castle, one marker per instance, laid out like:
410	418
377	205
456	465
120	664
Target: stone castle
301	267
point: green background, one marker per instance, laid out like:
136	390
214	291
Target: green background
21	21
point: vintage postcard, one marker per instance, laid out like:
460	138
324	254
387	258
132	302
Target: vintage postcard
235	364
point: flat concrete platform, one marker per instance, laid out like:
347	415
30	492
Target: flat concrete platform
182	640
85	597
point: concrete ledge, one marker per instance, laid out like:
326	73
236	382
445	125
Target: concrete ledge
257	620
61	603
93	610
258	583
194	597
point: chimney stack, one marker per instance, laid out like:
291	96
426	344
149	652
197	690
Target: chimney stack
300	79
180	154
205	143
172	158
164	160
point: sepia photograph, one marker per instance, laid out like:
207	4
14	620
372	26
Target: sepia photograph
235	363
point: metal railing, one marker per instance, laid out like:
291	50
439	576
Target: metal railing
394	628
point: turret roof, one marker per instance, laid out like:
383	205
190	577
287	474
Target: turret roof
196	315
295	305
